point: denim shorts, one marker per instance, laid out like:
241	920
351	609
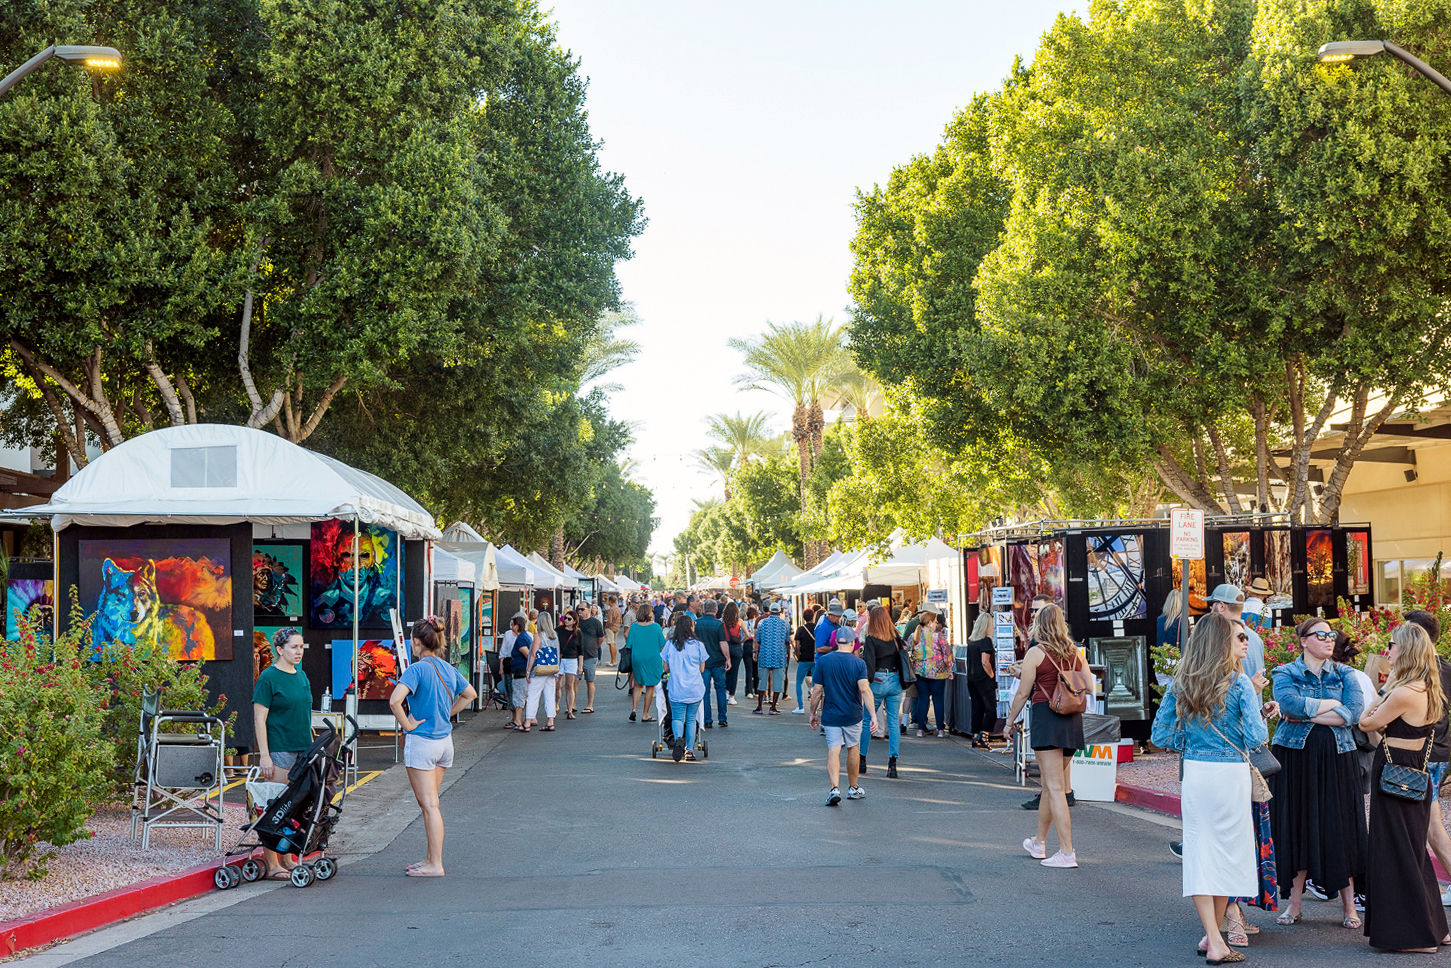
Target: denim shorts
1437	771
844	735
283	760
422	753
569	667
589	669
518	692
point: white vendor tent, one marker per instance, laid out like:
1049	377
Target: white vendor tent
482	557
848	573
222	474
907	566
558	578
793	585
449	568
518	571
779	568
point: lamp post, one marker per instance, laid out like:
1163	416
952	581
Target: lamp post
1340	51
101	58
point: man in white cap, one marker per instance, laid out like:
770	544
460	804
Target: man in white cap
838	696
772	636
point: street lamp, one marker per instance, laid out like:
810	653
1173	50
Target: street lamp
1340	51
100	58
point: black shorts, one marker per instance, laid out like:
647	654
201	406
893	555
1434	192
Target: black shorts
1053	731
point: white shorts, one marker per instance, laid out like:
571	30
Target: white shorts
422	753
569	667
847	736
611	636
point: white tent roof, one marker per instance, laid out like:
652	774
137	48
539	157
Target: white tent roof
906	567
823	569
560	579
222	474
515	569
778	568
449	567
461	533
848	572
607	584
481	555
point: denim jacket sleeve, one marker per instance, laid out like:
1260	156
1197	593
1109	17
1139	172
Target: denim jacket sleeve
1289	693
1352	703
1252	725
1167	732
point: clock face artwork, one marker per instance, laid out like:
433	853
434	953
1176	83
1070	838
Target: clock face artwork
1116	578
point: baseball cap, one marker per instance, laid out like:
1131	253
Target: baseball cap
775	608
845	635
1228	594
849	615
833	607
929	607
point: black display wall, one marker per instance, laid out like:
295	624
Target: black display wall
231	678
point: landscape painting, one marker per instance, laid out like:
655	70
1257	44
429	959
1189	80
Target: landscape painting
1357	562
1319	569
167	593
1236	559
375	565
1277	570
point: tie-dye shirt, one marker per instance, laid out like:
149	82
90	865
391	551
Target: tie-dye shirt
931	653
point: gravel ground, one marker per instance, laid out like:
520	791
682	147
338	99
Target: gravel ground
1155	771
110	860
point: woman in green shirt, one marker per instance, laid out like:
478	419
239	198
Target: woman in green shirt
645	641
282	715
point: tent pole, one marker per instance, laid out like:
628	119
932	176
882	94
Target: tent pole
357	551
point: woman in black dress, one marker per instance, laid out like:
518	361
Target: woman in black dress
982	681
1402	901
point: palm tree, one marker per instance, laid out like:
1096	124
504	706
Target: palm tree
860	392
743	436
717	461
801	362
604	351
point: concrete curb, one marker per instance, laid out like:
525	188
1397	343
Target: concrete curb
87	914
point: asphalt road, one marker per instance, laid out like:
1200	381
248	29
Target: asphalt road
576	848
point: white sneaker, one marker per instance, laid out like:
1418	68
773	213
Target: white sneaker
797	711
1446	897
730	700
856	793
1035	850
833	798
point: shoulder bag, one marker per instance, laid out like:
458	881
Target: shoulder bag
546	661
1071	694
1405	782
904	664
1259	790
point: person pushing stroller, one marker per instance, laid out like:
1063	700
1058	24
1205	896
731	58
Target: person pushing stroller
685	657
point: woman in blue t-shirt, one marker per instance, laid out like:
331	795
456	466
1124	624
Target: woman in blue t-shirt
438	691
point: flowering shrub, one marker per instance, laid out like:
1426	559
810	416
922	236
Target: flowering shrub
55	766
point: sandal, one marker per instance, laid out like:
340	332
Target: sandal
1234	957
1236	936
525	729
648	719
1287	918
547	729
569	715
1352	921
278	874
583	711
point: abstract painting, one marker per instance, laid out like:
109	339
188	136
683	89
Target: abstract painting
277	581
23	594
1050	570
486	616
1236	559
1357	562
466	629
168	593
1116	578
1277	570
1197	583
375	564
377	668
1319	569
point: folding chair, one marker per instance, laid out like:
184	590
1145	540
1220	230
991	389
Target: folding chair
179	775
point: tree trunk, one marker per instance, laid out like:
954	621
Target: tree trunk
1301	506
1357	436
556	548
1262	418
93	398
1189	488
1226	476
801	434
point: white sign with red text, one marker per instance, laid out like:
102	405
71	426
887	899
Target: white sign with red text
1186	533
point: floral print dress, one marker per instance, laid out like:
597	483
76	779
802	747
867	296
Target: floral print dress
931	654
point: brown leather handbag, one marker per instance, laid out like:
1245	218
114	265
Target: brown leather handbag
1074	687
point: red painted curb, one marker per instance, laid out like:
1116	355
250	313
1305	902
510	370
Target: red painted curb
90	913
1169	803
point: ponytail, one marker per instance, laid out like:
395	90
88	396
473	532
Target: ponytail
684	631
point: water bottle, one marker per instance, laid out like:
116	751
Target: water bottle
327	699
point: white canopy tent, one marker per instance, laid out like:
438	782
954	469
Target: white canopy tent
482	557
779	568
906	567
451	568
847	573
792	585
517	571
560	579
222	474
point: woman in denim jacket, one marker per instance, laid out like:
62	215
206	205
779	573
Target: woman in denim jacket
1317	812
1211	714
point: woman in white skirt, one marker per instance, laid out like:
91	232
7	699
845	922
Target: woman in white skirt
1211	715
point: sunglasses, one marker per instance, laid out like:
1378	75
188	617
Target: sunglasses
1242	637
1322	636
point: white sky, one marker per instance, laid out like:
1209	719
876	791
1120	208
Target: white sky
746	128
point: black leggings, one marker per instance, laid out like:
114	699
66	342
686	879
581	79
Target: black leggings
984	705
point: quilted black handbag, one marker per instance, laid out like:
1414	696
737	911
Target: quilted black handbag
1405	782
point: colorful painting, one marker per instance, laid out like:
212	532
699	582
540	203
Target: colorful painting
1357	562
377	668
1050	570
1116	578
466	627
262	648
168	593
989	575
1277	570
1198	583
1023	576
23	594
277	581
1319	569
1236	559
375	565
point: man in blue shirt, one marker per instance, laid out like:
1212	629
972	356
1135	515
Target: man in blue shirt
1228	601
711	633
839	693
827	625
772	634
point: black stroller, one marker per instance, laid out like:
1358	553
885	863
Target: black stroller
666	739
300	819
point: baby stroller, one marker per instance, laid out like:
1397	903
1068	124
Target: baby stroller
297	820
667	728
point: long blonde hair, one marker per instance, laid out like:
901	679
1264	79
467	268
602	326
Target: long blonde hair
1050	633
1416	663
983	627
1206	670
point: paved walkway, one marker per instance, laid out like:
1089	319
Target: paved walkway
575	848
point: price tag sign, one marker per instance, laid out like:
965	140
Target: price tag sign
1186	533
1002	595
